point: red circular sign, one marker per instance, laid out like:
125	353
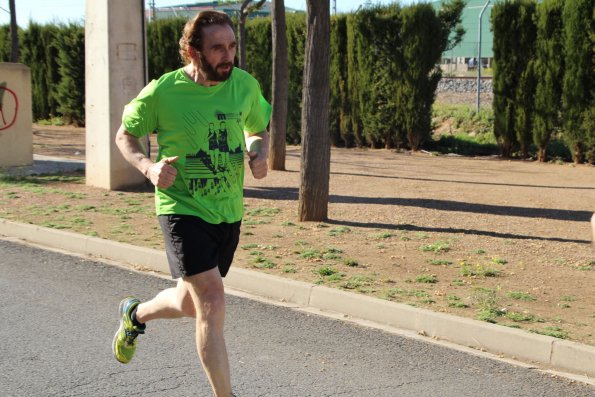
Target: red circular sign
4	113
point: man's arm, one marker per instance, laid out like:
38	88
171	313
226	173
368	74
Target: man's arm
161	174
257	146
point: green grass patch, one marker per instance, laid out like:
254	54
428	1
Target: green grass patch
330	256
325	271
335	277
489	314
359	281
260	262
338	231
469	270
309	254
521	296
555	332
52	121
438	247
350	262
455	301
521	317
487	302
422	236
289	269
54	225
382	235
426	278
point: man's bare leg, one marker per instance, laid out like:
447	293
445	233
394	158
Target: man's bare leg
593	230
170	303
207	292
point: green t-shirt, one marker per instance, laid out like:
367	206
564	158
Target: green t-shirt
205	127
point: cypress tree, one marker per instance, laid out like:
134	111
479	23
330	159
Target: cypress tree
366	74
381	77
259	45
71	62
525	100
525	92
338	81
352	124
163	54
416	93
296	33
514	40
549	69
4	43
577	96
39	52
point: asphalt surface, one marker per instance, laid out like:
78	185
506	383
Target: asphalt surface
58	314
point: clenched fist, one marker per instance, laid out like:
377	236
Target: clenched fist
162	174
258	164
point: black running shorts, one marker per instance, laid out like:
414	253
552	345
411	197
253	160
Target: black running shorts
194	246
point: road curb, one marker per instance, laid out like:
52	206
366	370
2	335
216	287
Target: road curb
560	355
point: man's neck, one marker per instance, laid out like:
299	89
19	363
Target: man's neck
198	76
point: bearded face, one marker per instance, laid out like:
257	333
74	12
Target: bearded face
215	72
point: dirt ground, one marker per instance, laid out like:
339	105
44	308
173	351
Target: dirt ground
503	241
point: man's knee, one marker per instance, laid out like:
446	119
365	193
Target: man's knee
212	299
186	305
209	291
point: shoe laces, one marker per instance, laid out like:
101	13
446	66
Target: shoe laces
131	335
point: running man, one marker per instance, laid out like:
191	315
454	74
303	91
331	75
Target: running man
205	115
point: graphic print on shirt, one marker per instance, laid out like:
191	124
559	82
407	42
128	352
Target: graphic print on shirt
215	167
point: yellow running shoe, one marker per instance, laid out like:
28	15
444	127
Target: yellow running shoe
124	344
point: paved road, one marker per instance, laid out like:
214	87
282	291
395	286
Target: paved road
58	314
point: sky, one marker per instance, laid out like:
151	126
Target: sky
74	10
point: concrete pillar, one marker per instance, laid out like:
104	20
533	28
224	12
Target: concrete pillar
16	134
114	74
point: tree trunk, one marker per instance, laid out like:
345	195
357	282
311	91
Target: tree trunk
541	154
578	153
245	10
315	165
14	32
242	44
280	88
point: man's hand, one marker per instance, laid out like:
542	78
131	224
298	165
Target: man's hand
258	154
162	174
258	165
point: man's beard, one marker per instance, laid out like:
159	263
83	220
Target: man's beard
211	73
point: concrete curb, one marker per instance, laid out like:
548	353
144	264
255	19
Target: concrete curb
554	353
